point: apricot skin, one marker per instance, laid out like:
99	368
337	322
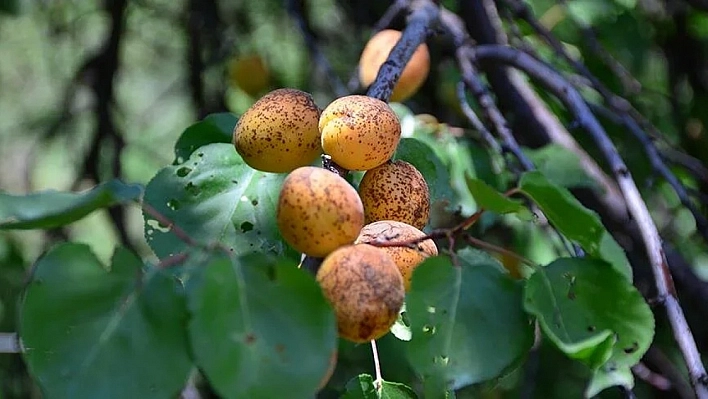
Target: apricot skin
375	54
365	289
359	132
406	258
279	132
395	191
318	211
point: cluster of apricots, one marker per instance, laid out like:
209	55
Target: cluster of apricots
322	215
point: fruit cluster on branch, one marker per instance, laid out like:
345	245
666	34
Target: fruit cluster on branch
321	214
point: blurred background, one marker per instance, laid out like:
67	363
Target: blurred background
95	90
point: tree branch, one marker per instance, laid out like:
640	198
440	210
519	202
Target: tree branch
565	92
423	17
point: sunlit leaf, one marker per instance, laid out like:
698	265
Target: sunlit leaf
215	197
215	128
590	312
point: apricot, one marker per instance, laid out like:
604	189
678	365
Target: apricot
395	191
279	132
406	258
377	51
318	211
365	289
249	73
359	132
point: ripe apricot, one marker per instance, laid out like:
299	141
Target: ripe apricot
359	132
395	191
375	54
318	211
279	132
365	289
406	258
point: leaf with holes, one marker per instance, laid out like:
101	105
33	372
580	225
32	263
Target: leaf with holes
590	312
49	209
467	321
89	332
260	328
215	197
215	128
362	387
574	221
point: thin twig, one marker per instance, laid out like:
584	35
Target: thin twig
627	115
565	92
656	380
475	121
657	163
493	248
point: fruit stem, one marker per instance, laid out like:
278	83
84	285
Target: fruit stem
378	382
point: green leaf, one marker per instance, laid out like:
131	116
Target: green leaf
590	312
492	200
560	166
401	328
260	328
215	197
424	159
49	209
574	221
93	332
467	321
215	128
607	377
362	387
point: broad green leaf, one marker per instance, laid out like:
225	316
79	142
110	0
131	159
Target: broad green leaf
424	159
590	312
260	328
98	333
609	376
492	200
215	197
560	166
362	387
49	209
467	321
215	128
573	220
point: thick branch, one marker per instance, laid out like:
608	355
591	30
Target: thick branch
637	208
423	17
